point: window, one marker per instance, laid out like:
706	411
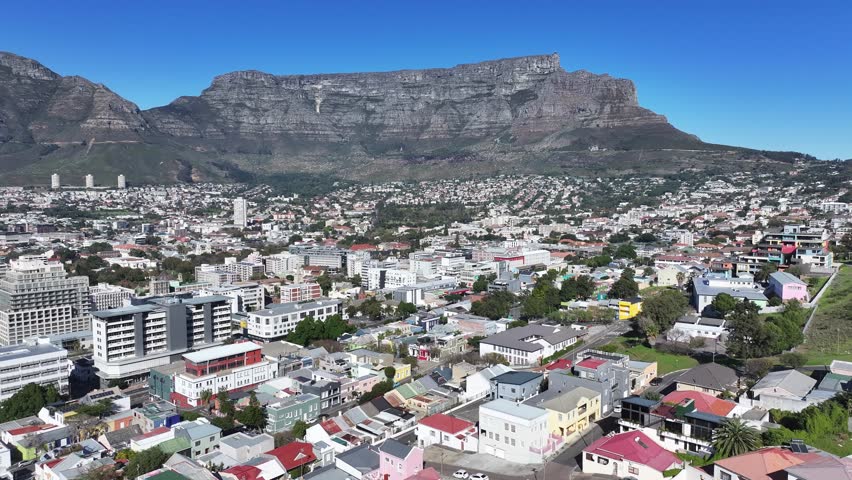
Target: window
513	429
506	426
725	476
632	470
513	442
589	456
603	461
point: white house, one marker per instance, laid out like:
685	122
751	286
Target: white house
447	431
629	455
478	384
514	431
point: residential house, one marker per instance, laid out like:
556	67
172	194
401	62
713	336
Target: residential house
398	461
606	373
629	454
154	415
821	468
515	431
706	289
241	446
515	386
115	440
786	390
201	434
569	412
765	464
360	463
447	431
689	327
478	385
283	414
788	287
296	457
709	378
641	374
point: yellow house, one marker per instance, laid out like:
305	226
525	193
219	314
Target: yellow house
403	371
572	411
629	308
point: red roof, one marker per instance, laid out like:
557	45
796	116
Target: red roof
591	363
362	246
635	447
51	463
330	426
428	473
154	432
762	464
30	429
446	423
558	364
244	472
294	454
703	402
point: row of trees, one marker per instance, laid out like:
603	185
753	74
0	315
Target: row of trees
310	329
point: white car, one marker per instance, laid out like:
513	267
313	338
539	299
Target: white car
479	476
462	474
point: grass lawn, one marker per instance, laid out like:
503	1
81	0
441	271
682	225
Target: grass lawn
666	362
814	288
830	334
650	291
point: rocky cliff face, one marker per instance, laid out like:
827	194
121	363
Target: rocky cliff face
527	98
523	114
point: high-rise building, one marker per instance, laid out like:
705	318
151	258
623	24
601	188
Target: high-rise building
122	182
38	298
240	212
104	296
131	340
54	181
90	181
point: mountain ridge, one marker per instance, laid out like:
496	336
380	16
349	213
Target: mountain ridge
522	114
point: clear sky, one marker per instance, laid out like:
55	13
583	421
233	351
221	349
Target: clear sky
771	74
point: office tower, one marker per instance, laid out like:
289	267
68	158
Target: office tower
38	298
240	212
122	182
54	181
130	340
90	181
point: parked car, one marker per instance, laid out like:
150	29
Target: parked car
656	381
462	474
479	476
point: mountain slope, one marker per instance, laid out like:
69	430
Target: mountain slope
522	114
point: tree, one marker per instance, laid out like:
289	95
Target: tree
793	359
625	286
645	238
378	390
324	282
724	304
494	306
27	401
225	423
652	395
734	438
661	311
390	373
625	251
747	336
99	472
757	367
226	405
145	461
481	283
681	278
206	396
406	309
765	271
299	429
310	329
253	415
494	359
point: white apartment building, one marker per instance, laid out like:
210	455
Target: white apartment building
240	212
388	278
38	298
131	340
54	181
40	363
282	264
104	296
277	320
473	270
90	181
121	182
235	367
527	345
513	431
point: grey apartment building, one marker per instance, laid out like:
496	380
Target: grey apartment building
37	298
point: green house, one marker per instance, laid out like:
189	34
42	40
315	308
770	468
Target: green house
282	415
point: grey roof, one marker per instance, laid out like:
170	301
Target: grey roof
823	468
292	307
710	375
395	448
362	458
329	472
835	383
122	436
703	289
514	337
642	402
792	381
14	352
520	410
707	417
785	278
567	401
516	378
242	439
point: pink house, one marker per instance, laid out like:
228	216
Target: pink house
788	287
398	461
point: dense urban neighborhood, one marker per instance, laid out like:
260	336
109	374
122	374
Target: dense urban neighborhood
690	326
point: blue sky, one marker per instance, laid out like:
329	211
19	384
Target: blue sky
764	74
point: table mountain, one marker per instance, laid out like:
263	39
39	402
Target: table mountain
523	114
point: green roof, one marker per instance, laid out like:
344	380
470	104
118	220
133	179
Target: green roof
418	387
174	445
168	475
406	391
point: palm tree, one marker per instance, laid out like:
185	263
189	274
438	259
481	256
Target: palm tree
734	438
206	395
